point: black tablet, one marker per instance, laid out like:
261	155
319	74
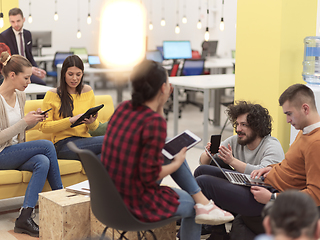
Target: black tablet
87	114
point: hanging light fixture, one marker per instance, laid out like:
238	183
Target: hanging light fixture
163	22
150	24
56	17
184	19
1	17
30	16
177	28
207	35
79	32
199	24
222	21
89	20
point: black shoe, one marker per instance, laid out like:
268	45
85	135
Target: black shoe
217	236
28	226
206	229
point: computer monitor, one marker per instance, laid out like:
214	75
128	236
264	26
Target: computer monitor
154	55
177	50
209	48
41	39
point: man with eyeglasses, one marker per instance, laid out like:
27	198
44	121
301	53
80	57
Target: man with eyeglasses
250	149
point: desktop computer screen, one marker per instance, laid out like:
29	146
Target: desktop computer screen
177	50
154	55
41	38
209	48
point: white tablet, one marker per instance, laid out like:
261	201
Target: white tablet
174	145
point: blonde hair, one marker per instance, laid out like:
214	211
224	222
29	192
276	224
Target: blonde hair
14	63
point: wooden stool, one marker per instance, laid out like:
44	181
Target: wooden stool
64	215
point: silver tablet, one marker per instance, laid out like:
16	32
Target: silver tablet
174	145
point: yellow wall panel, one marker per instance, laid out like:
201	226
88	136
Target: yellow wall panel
6	6
270	52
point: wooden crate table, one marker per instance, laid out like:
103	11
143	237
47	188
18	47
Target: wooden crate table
64	215
167	232
67	216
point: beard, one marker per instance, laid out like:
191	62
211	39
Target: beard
248	138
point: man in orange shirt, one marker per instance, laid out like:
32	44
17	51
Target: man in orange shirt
299	170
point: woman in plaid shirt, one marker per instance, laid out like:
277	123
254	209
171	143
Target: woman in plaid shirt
131	153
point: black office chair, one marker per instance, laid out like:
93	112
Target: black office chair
192	67
106	202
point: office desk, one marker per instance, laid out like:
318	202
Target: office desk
215	65
90	72
34	89
203	83
219	63
44	58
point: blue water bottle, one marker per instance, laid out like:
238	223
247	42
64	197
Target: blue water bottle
311	63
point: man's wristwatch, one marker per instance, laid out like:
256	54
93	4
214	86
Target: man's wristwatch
273	196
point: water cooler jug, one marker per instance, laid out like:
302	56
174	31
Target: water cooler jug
311	72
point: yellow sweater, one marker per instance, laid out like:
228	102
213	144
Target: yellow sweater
60	127
301	167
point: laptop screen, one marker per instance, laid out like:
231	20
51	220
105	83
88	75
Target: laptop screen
154	55
94	59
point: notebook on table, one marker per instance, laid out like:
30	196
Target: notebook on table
239	178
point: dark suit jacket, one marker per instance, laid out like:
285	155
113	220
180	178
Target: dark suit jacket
8	37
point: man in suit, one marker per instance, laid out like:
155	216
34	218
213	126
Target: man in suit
19	41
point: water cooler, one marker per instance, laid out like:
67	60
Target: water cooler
311	72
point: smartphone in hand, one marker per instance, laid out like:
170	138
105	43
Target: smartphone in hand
215	143
43	113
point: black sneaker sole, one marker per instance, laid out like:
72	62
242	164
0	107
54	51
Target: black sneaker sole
21	230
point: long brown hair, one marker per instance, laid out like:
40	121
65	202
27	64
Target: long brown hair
66	99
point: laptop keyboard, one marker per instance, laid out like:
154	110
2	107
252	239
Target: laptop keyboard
240	178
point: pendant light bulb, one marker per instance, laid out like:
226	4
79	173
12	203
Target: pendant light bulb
199	24
184	20
221	25
1	20
177	29
163	22
207	35
30	19
79	34
150	26
56	17
89	20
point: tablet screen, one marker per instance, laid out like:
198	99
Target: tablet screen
184	140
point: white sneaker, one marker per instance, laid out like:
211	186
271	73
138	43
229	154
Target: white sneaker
211	214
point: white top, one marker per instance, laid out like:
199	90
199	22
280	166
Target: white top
16	33
13	114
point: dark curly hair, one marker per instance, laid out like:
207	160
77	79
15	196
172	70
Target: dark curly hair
258	117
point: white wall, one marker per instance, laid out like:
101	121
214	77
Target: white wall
65	29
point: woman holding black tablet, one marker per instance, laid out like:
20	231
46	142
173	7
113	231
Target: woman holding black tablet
69	102
132	155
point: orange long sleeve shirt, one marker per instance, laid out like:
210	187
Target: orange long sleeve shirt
301	167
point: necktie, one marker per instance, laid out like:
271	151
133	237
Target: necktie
21	44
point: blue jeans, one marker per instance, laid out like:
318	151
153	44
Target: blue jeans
92	143
189	229
38	157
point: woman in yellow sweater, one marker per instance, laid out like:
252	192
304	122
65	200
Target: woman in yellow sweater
69	101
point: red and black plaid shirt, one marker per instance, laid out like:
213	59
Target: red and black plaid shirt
131	153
